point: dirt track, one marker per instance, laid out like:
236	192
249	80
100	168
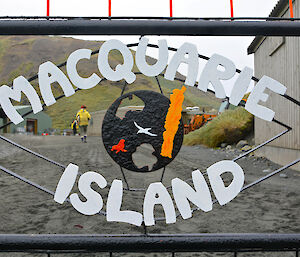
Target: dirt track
272	206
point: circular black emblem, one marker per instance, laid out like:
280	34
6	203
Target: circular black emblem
122	137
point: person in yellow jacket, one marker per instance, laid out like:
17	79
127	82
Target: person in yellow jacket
74	126
83	118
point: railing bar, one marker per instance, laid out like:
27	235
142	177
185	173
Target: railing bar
145	229
270	236
258	181
56	163
291	99
270	175
27	181
261	145
163	174
95	251
52	161
31	183
158	83
148	27
124	177
282	124
124	87
32	152
231	243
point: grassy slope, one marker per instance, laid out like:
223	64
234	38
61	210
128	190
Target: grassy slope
23	55
229	127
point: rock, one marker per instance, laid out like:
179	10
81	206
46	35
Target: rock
223	145
241	143
283	176
246	148
228	147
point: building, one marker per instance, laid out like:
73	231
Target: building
279	58
34	124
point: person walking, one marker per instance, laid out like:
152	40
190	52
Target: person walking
74	126
83	118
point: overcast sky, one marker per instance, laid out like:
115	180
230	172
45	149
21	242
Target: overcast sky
234	48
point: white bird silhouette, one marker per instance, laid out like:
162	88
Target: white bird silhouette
144	130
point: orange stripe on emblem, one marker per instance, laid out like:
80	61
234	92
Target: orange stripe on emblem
172	121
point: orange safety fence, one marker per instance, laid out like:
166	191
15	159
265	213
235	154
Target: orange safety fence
109	8
171	8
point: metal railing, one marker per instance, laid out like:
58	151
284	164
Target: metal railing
146	243
147	26
160	243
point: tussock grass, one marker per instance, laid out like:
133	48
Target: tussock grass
229	127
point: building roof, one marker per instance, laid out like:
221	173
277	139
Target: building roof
17	107
276	12
20	107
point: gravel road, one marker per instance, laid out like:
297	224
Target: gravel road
270	207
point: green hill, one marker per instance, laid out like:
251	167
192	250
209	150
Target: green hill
22	55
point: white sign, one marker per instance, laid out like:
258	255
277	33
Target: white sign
187	53
156	193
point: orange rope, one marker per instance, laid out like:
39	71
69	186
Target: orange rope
291	9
